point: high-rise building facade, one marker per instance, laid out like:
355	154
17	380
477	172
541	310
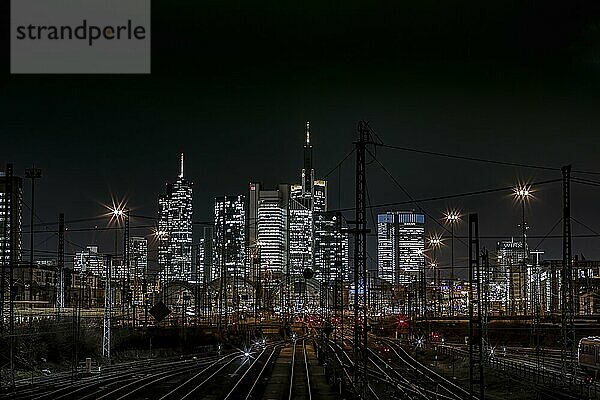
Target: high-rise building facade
267	230
306	199
204	256
510	275
229	237
90	261
200	261
138	257
400	246
175	230
331	247
11	192
301	233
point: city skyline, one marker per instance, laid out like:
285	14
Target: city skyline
433	227
311	200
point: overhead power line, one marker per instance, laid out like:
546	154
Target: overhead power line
587	182
469	158
482	160
331	171
451	196
397	183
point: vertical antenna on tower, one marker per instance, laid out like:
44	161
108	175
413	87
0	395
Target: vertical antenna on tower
181	168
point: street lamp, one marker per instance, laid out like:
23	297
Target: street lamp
118	215
522	193
452	217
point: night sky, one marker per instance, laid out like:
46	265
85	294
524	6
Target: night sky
231	86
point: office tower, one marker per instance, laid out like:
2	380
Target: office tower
400	246
306	199
229	237
11	192
138	257
301	234
90	262
267	230
175	230
510	274
199	261
331	247
204	255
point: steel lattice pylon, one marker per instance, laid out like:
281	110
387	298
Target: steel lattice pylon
476	386
360	264
60	293
567	292
106	334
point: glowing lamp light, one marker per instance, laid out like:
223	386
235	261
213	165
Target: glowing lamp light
522	192
452	216
116	211
435	241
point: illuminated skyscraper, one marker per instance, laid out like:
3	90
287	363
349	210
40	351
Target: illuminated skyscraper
90	261
138	257
400	246
267	229
11	192
306	199
509	275
204	256
229	238
301	234
175	230
331	247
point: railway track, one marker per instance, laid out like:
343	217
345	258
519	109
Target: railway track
299	385
64	387
431	381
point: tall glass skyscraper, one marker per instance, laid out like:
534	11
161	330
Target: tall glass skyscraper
11	192
510	275
306	199
138	257
331	247
267	229
229	238
400	246
175	230
90	261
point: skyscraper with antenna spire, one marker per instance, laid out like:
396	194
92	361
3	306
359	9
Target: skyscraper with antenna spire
308	172
307	200
175	229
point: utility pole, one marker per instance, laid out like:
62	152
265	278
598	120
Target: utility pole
523	273
536	303
77	321
360	265
569	367
106	337
451	289
60	295
485	299
423	287
32	173
126	296
476	386
223	280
